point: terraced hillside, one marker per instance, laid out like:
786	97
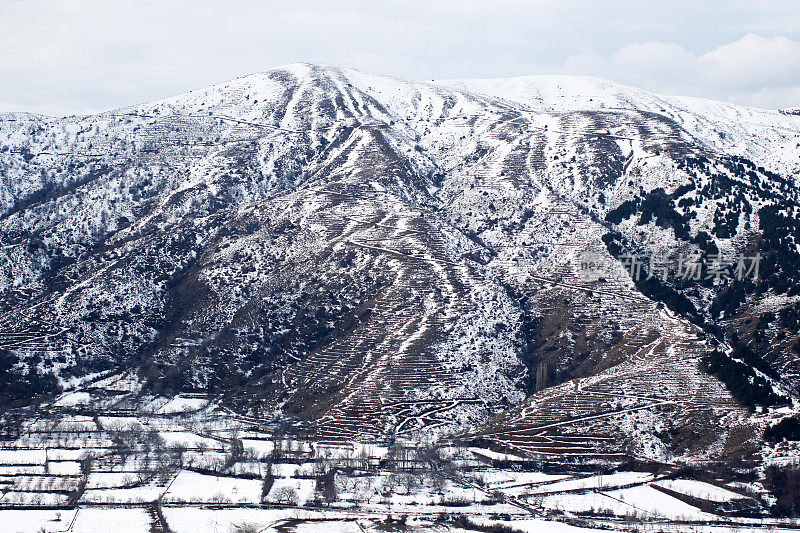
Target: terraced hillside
354	257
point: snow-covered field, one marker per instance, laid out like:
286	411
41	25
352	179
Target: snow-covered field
594	482
107	488
194	487
208	469
115	483
700	489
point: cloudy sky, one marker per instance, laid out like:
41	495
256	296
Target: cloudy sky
78	56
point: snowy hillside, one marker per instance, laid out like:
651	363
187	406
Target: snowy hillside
355	257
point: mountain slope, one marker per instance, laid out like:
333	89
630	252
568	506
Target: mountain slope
362	257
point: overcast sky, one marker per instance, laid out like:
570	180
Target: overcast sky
79	56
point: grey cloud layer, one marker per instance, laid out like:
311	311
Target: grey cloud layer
74	56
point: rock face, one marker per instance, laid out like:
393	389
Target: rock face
366	258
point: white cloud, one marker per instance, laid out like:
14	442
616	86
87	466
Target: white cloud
67	56
754	70
769	97
754	62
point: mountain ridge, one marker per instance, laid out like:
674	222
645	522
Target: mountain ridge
369	257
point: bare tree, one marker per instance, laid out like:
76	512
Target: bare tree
409	482
439	482
287	496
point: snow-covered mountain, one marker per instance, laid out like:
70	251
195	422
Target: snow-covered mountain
363	257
